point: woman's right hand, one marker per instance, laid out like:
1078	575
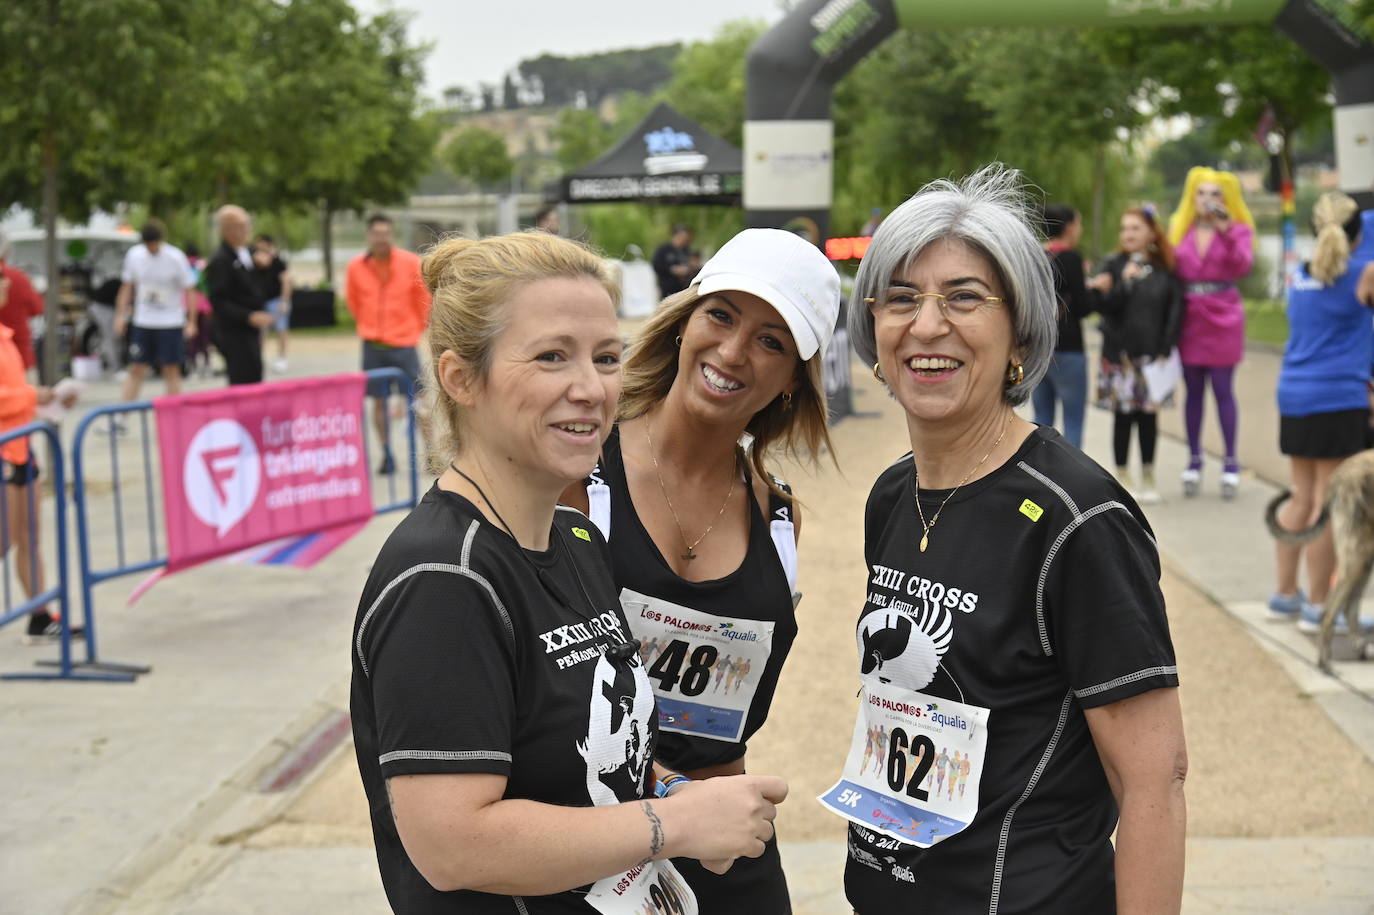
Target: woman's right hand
1102	282
723	818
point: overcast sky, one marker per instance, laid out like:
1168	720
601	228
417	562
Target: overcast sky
478	41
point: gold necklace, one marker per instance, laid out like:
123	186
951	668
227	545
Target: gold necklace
691	547
916	488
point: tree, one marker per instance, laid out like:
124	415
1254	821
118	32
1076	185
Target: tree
458	98
708	79
478	155
930	121
80	74
1062	107
372	140
553	80
1232	75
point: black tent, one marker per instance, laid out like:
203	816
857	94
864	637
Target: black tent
668	158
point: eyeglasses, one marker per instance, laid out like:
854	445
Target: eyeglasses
960	306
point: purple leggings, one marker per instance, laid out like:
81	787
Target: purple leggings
1195	379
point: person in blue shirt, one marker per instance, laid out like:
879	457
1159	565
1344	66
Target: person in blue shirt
1323	393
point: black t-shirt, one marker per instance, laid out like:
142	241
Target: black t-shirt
1041	582
464	661
269	278
1076	300
665	259
1141	317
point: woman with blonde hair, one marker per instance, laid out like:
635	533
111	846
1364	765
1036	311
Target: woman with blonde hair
503	721
725	375
1213	235
1323	395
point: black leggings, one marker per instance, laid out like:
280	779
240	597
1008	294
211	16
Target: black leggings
1148	423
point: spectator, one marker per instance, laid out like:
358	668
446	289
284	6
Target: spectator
1142	307
546	220
1066	382
18	399
1213	235
157	281
235	300
672	262
1323	396
390	305
875	219
198	347
24	303
275	283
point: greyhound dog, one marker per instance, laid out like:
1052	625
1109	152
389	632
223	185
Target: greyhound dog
1350	510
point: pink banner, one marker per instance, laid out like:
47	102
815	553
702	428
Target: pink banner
255	463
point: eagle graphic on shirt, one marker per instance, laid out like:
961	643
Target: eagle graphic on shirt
617	747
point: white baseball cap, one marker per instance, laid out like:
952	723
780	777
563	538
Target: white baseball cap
787	272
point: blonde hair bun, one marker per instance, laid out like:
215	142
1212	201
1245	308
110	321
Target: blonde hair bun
440	259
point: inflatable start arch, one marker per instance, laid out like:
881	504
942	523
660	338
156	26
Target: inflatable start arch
793	68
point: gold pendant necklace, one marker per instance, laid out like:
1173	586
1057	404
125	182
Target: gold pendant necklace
916	488
691	547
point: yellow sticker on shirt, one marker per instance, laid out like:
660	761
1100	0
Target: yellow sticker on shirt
1031	510
582	534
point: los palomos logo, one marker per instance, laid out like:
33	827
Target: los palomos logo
221	474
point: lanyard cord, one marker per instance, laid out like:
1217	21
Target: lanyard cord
616	651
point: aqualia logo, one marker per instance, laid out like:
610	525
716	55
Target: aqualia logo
221	474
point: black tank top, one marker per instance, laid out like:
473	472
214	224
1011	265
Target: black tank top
757	590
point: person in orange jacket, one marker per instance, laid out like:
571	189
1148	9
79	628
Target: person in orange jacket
390	305
18	403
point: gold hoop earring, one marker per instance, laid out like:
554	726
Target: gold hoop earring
677	341
1016	373
787	400
878	373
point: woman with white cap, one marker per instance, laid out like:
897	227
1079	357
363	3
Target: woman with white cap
703	538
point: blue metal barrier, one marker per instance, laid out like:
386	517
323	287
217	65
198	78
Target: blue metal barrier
32	538
107	419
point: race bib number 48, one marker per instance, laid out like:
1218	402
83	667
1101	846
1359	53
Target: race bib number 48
655	888
914	765
705	669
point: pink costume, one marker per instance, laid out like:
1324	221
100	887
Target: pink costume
1213	331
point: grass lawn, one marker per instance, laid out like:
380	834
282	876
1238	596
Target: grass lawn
1265	322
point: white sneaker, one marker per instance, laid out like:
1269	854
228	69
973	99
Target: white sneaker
1230	483
279	366
1192	481
1149	496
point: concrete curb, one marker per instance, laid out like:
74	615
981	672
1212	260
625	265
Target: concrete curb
204	841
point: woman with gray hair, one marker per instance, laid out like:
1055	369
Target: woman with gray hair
1013	646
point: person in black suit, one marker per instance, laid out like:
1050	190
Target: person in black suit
235	299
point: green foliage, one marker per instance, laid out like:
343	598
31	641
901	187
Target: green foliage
565	81
86	92
708	79
1266	322
478	155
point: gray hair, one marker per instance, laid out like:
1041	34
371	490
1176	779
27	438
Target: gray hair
987	211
